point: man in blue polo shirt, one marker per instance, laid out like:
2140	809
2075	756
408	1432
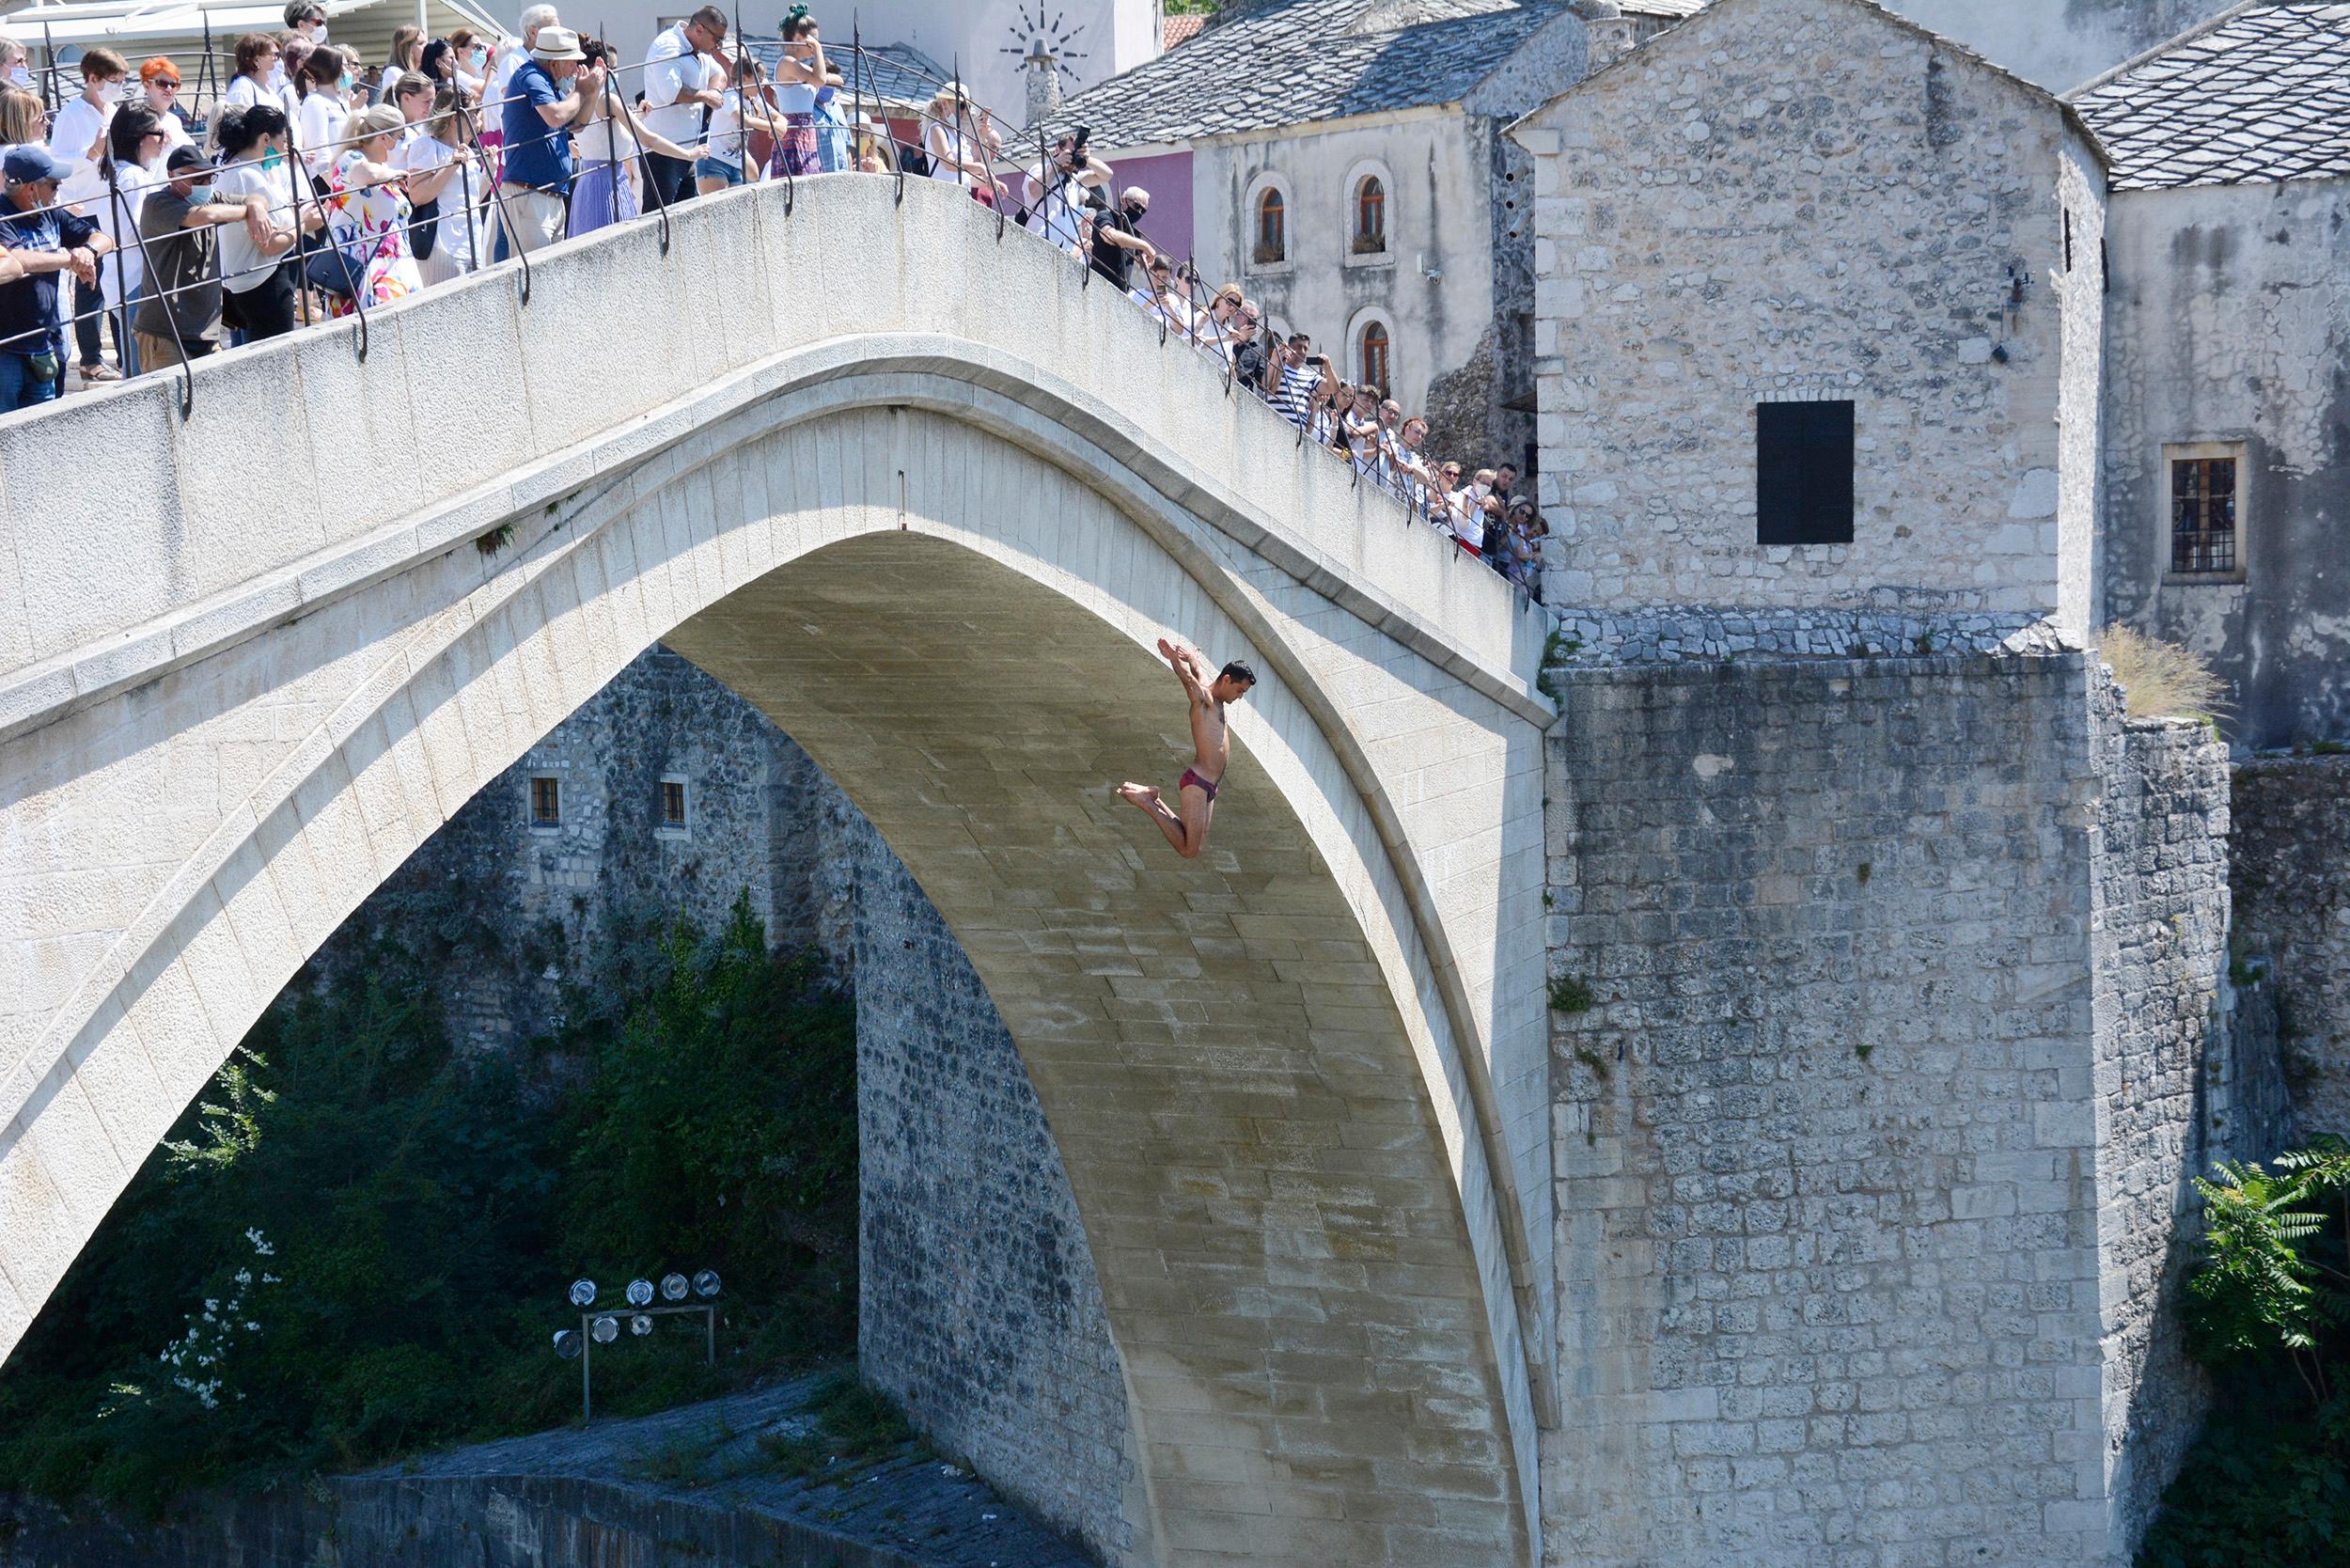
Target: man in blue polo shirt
42	240
548	95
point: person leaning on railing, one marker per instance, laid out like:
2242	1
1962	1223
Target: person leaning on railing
258	267
550	93
42	240
179	315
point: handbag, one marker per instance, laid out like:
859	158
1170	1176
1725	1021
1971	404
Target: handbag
424	227
338	269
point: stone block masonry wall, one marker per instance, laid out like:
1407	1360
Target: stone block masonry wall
978	1303
2291	855
2168	1063
522	905
1810	200
1830	1173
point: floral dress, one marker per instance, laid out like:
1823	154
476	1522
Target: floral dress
372	221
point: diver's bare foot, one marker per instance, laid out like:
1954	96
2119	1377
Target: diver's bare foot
1145	796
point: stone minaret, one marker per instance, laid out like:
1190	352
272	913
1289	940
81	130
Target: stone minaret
1043	73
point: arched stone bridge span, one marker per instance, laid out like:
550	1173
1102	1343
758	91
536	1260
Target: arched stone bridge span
928	501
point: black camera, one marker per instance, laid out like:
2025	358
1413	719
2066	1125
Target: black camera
1077	143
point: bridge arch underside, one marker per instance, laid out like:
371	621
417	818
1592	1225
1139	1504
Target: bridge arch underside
1247	1058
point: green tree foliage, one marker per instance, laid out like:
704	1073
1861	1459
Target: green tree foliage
356	1246
2268	1482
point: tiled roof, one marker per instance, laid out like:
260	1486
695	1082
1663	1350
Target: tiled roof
1282	61
2263	93
1675	9
1175	29
895	73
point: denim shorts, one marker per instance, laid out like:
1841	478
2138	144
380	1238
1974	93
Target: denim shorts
727	169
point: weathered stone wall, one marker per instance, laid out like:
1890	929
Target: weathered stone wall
1830	1183
1809	201
2060	43
978	1301
2230	321
521	907
2291	855
2163	1075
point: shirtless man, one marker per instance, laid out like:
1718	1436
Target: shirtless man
1213	745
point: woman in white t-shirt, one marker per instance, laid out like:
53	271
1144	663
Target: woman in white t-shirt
960	142
256	62
257	272
407	48
441	168
319	123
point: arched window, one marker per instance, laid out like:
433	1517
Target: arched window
1371	217
1272	226
1371	358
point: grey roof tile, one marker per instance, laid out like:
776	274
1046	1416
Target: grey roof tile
1283	61
2261	94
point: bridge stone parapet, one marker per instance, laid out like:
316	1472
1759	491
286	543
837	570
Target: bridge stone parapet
927	499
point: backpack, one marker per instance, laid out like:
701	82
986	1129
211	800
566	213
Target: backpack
912	159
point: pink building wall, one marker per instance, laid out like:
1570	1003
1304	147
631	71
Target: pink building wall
1168	177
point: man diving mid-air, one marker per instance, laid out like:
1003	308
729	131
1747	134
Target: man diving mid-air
1211	747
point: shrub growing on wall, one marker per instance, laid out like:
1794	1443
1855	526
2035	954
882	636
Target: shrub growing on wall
2268	1311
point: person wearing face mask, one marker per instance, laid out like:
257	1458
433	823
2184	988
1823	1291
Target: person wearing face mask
308	19
256	262
319	125
1118	237
512	55
14	70
179	316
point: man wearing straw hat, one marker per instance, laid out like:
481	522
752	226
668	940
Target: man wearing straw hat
549	94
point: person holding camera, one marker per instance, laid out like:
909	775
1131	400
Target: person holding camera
1056	187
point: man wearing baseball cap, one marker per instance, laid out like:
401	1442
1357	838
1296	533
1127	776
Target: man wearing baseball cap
549	94
43	240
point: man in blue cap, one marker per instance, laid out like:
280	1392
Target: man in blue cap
43	239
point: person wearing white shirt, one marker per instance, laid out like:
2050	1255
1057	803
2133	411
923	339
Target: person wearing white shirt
683	85
407	48
1055	188
160	80
723	160
511	58
319	123
77	138
257	63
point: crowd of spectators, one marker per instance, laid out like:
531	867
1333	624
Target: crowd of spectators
320	184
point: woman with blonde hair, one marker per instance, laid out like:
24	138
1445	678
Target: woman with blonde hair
407	55
442	169
22	119
368	210
960	140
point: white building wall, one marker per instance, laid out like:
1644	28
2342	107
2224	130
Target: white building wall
2060	43
1433	285
1805	199
2229	321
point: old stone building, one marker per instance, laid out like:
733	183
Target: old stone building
1817	323
2227	377
1834	313
2060	43
1342	161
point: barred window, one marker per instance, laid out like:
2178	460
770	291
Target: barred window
2203	516
546	802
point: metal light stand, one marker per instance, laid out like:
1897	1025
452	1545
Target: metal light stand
588	1342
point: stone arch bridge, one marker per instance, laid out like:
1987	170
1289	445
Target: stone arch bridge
925	497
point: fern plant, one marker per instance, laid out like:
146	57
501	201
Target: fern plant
2271	1276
